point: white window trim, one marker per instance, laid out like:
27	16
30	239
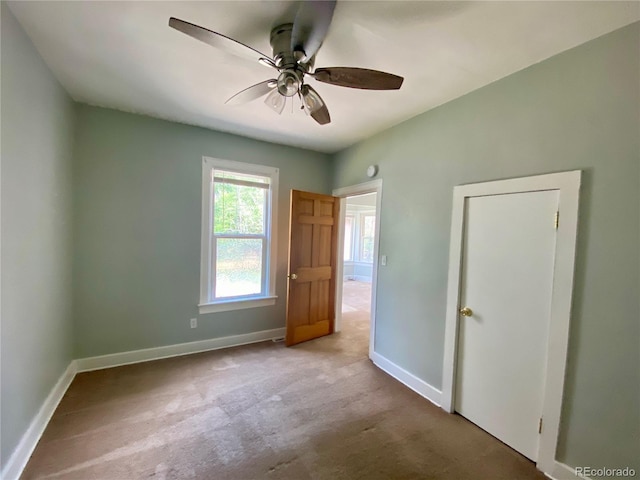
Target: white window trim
361	219
352	256
358	212
269	298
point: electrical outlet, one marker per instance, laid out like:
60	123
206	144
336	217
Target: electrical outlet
383	260
194	323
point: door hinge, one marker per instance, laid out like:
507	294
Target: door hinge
540	425
556	220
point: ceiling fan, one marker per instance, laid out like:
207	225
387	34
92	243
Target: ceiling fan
295	46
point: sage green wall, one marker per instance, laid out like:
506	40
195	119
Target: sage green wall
577	110
37	139
137	229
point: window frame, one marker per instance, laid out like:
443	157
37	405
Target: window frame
361	236
208	304
358	213
352	217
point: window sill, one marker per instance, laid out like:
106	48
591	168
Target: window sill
228	305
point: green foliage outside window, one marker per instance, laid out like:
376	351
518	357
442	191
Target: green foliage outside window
238	209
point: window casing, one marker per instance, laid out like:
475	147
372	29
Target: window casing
238	235
348	238
367	234
359	235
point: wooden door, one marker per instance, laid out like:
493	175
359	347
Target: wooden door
312	266
507	275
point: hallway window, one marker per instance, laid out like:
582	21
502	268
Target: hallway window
359	237
348	238
367	232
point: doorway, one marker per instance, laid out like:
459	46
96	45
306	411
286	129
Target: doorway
357	265
356	276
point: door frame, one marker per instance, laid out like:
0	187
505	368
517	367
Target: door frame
374	186
568	185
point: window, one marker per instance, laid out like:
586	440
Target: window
367	232
238	244
359	234
348	238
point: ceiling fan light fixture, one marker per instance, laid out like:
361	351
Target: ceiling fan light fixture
288	83
310	100
275	101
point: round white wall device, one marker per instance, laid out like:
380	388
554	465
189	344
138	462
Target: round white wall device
371	171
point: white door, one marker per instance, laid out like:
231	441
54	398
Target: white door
507	273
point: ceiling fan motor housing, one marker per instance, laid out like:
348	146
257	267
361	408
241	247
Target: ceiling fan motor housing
291	72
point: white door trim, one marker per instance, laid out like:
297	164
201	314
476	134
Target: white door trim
374	186
568	184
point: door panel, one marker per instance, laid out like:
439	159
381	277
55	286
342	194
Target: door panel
312	266
507	274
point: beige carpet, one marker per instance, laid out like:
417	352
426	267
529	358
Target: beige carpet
320	410
356	296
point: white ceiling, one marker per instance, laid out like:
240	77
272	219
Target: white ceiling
124	56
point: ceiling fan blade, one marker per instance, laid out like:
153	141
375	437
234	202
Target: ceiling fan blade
311	26
220	41
253	92
314	105
358	78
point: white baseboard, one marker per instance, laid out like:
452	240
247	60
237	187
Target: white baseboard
409	379
156	353
560	470
563	472
20	456
29	440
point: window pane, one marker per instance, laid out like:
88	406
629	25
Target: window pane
238	267
238	209
348	238
240	176
368	228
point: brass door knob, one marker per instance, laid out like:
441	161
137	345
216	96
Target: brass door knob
293	276
466	312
